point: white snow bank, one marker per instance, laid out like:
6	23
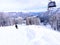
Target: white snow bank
29	35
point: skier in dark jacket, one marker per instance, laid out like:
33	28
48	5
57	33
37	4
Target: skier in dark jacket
16	26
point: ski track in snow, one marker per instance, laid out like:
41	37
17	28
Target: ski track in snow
29	35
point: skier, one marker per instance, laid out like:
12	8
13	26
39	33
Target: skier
16	26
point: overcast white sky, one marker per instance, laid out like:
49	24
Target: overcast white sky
25	5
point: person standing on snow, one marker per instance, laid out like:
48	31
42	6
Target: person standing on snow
16	26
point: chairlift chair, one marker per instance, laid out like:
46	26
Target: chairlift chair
51	4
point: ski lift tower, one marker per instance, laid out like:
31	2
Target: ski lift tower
51	6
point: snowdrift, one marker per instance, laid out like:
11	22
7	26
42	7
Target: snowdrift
29	35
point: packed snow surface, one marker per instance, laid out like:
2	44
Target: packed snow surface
29	35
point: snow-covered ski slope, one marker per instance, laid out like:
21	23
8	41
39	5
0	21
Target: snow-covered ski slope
29	35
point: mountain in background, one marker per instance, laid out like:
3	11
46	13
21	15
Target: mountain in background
39	14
